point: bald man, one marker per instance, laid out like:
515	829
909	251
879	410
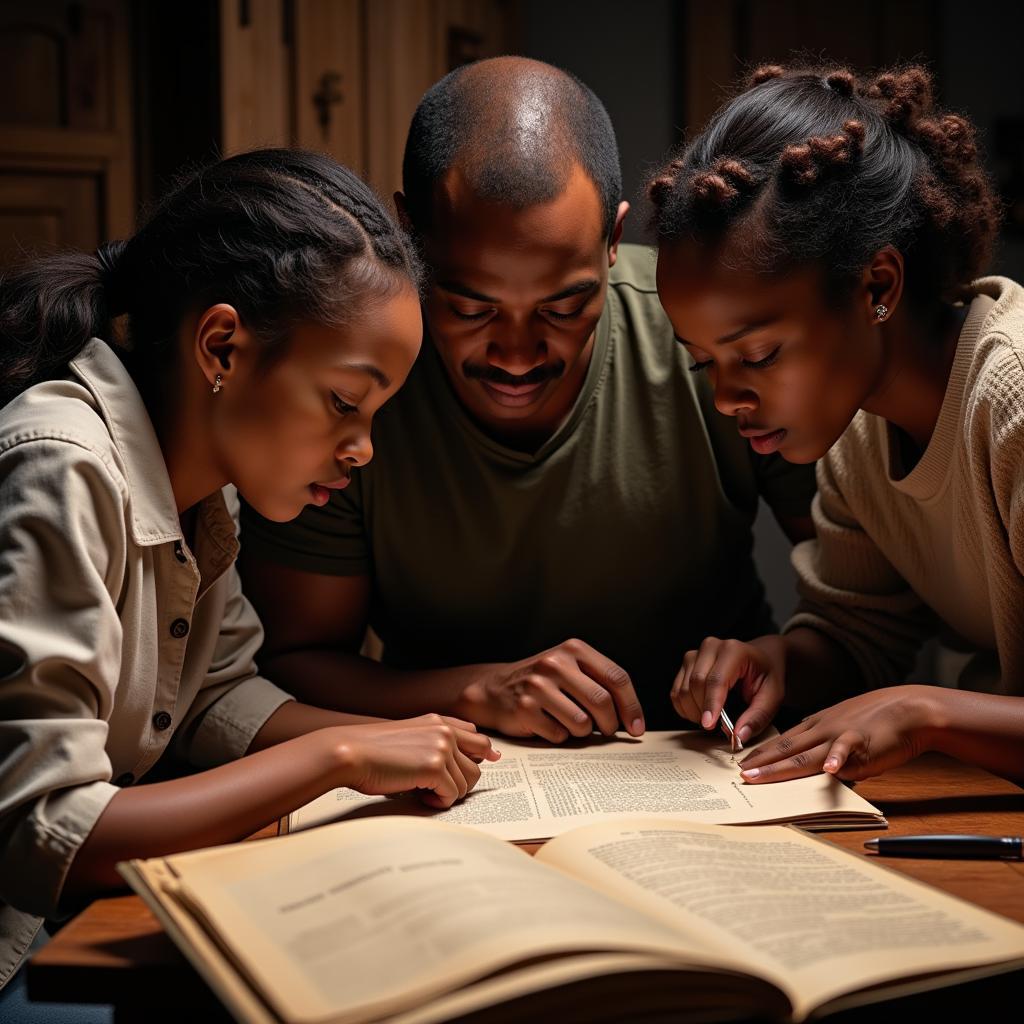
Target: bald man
555	511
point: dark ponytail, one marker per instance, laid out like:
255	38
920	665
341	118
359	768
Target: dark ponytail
285	236
819	166
48	310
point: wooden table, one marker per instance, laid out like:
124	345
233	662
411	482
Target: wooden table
115	951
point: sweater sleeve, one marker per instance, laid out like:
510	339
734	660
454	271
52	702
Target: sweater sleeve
853	594
1004	447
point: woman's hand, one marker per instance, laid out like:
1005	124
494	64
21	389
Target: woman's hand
709	673
860	737
433	753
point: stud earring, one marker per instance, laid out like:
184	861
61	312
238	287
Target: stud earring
881	311
217	382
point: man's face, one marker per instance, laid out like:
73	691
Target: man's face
514	298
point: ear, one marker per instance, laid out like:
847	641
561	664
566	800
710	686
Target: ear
402	209
613	245
882	284
219	341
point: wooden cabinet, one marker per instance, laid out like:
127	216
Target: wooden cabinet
66	140
329	78
410	45
344	76
207	77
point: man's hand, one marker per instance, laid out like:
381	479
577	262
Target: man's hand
568	690
860	737
710	672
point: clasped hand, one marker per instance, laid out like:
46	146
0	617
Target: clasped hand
568	690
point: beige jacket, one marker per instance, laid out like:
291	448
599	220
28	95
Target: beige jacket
902	555
116	640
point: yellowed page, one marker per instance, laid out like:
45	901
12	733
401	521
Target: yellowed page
537	791
816	920
152	879
352	922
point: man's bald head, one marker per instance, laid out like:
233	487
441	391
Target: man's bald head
514	128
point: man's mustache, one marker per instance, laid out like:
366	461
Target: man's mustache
495	375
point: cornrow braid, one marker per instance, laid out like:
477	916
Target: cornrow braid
285	236
833	168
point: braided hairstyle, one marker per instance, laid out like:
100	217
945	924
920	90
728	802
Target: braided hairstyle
285	236
817	166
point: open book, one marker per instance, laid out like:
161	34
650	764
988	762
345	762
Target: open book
415	922
537	791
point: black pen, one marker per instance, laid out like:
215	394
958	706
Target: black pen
952	847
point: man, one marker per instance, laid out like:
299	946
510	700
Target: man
555	512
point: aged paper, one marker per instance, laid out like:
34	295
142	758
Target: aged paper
319	922
796	910
363	920
537	790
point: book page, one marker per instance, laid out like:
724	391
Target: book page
816	920
359	921
538	790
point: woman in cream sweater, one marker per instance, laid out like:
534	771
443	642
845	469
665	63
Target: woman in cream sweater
820	244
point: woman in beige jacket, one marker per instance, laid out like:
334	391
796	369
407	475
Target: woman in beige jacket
271	308
820	244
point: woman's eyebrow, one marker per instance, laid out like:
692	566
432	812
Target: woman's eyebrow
756	325
736	335
375	372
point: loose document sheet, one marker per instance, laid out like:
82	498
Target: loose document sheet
537	791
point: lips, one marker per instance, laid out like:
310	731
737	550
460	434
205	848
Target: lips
512	395
514	390
764	442
322	492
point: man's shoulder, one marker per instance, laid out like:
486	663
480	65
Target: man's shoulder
635	269
635	311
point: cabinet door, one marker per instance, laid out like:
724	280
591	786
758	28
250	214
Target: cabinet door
66	140
410	45
254	53
328	88
47	211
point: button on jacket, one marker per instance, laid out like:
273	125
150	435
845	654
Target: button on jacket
116	639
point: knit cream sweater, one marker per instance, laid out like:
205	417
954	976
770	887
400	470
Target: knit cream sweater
939	549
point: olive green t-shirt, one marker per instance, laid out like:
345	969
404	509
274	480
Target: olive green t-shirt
630	528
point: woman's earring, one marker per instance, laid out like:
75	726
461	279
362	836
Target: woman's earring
881	311
217	381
